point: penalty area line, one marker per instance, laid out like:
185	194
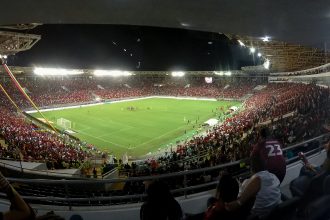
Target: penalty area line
102	139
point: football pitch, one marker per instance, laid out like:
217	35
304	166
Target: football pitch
140	126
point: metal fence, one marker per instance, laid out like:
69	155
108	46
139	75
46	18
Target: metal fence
102	192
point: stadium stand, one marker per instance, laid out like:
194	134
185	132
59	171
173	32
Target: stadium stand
293	112
230	140
317	70
270	103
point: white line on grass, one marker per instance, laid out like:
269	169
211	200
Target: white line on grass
161	136
84	129
117	145
108	134
104	123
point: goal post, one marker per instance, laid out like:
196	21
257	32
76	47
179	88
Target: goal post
64	123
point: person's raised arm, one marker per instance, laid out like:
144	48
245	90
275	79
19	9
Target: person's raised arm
20	210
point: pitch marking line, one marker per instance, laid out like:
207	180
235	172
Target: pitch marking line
161	136
117	145
111	133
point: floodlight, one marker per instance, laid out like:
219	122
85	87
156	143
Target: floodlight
241	43
266	64
184	24
252	49
218	73
5	56
259	54
113	73
178	73
56	72
228	73
265	39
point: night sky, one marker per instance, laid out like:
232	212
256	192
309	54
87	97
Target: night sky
147	48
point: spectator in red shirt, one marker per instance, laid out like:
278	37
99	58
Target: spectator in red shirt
270	151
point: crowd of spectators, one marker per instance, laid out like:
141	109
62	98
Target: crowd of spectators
232	140
223	143
59	91
28	142
292	112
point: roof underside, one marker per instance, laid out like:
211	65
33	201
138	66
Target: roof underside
295	22
285	57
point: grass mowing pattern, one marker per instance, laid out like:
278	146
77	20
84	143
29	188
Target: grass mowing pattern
155	122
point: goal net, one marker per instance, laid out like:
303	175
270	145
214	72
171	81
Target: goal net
64	123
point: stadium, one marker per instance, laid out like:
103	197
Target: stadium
164	111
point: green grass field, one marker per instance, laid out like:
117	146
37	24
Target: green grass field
155	123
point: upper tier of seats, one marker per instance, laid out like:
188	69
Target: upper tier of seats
57	91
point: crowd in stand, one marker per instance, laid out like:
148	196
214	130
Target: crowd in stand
59	91
28	142
292	112
223	143
232	140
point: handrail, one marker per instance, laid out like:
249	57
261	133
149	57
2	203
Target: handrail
82	199
293	159
109	172
34	170
161	176
67	200
131	179
306	142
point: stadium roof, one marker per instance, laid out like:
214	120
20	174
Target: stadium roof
296	21
292	35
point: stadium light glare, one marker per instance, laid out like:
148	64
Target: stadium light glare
113	73
218	73
228	73
265	39
178	73
266	64
55	72
241	43
259	54
252	49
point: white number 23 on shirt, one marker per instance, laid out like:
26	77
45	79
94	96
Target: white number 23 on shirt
274	150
